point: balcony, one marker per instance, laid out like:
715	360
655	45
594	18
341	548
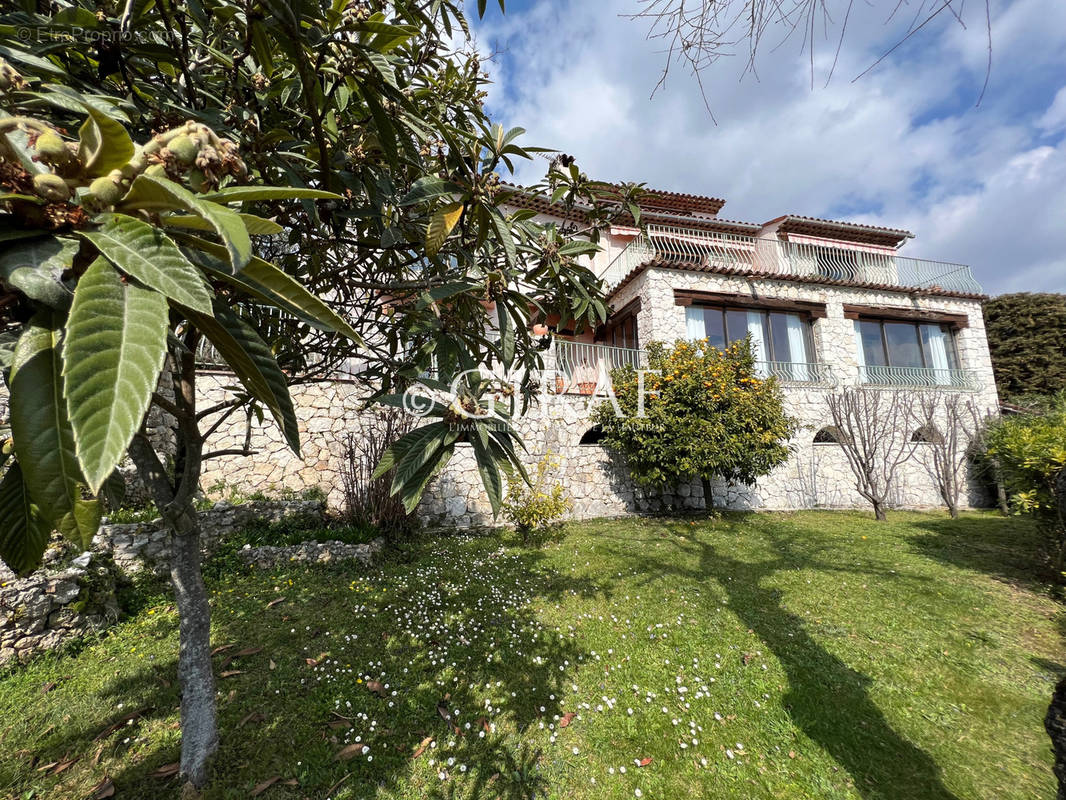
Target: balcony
776	257
580	367
919	378
797	373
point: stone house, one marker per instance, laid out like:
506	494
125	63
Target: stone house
827	304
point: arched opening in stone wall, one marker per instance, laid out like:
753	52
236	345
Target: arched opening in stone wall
593	435
927	434
829	435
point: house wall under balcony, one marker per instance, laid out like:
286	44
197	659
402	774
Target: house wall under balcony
816	475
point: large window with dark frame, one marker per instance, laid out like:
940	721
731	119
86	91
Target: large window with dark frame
780	337
907	345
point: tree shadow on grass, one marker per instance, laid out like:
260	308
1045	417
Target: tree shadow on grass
455	625
828	700
1010	549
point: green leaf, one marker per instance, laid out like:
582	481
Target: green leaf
257	226
416	457
147	254
443	292
440	225
266	282
254	364
23	533
503	233
44	440
113	351
35	268
244	194
489	470
507	335
10	230
429	187
160	194
104	144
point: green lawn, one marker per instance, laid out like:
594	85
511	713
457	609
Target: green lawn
809	655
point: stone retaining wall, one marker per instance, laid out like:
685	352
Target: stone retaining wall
146	545
73	596
54	605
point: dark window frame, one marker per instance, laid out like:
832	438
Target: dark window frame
953	351
808	328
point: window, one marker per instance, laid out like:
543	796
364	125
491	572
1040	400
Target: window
621	329
775	335
624	333
920	345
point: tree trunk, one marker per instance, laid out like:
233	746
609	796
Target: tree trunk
708	495
174	498
953	509
1001	490
199	723
879	511
1055	725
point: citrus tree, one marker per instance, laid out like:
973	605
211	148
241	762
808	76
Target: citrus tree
114	267
697	412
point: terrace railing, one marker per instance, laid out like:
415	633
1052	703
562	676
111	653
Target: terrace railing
919	377
579	366
809	373
774	257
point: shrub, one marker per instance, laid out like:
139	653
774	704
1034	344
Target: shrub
368	502
707	415
1031	451
536	507
1027	342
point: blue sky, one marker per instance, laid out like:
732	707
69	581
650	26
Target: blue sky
904	146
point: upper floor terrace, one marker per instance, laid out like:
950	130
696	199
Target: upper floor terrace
771	256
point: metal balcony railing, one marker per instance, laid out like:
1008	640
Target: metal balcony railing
776	257
809	373
579	366
919	377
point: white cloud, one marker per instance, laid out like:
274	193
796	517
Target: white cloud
903	146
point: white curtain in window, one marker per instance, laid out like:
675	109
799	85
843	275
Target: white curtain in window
694	327
758	343
797	348
938	351
860	355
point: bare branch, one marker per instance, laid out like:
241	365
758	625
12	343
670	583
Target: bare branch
697	33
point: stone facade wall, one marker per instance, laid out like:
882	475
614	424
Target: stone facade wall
815	475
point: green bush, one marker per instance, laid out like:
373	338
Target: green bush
536	507
1027	342
706	415
1031	452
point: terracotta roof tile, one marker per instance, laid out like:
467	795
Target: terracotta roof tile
849	231
667	263
544	206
